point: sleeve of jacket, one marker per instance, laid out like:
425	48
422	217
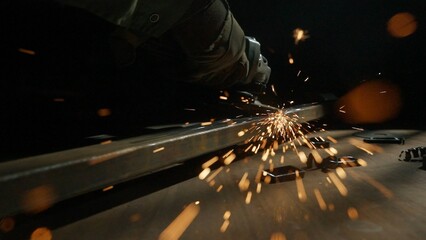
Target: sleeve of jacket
143	17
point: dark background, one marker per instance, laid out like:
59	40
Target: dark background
51	100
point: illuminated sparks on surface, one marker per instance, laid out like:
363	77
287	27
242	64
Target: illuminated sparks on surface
214	174
357	128
278	236
259	188
352	213
228	160
383	92
302	157
320	199
341	173
362	162
298	73
333	140
107	188
248	197
41	233
301	193
306	79
26	51
204	173
339	185
300	35
158	150
106	142
210	162
219	188
224	226
181	223
241	133
223	98
227	215
317	157
206	124
244	182
190	109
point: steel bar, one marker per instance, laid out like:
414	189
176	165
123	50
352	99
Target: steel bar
34	183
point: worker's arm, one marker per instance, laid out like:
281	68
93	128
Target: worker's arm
218	52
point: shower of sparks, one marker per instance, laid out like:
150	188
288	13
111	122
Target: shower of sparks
357	128
300	35
190	109
306	79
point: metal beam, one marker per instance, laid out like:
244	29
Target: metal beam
35	183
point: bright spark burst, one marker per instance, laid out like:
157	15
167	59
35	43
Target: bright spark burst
300	35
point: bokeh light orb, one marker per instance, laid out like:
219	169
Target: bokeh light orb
373	101
402	25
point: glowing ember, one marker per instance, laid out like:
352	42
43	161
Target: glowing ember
259	188
26	51
301	193
41	233
158	150
214	174
248	197
353	213
181	223
320	200
107	188
339	185
228	160
300	35
224	226
244	182
204	173
210	162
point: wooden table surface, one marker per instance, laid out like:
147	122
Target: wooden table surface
384	200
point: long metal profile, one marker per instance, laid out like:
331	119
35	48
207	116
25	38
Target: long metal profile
31	184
